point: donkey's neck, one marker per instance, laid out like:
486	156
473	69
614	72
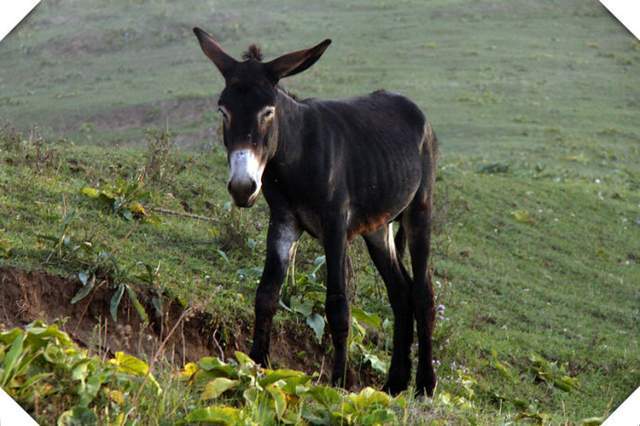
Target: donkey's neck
290	113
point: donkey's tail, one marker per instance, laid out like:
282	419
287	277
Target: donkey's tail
400	241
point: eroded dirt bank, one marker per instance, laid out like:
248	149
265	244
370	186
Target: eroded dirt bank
27	296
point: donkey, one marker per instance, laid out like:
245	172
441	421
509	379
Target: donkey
335	169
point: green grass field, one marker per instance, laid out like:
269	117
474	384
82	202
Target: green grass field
537	244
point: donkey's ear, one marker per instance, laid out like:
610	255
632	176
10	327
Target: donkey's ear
213	50
295	62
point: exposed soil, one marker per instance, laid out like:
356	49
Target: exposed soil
185	110
28	296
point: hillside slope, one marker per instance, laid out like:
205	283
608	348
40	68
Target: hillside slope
537	242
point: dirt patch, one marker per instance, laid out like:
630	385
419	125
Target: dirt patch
28	296
182	110
175	112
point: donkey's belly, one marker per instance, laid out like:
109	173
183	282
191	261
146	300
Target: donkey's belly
310	222
368	221
380	200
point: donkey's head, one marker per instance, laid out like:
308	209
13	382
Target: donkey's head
248	108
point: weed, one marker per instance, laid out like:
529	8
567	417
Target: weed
160	166
33	151
123	198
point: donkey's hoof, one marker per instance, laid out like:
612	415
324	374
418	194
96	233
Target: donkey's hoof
260	358
396	382
426	385
346	380
394	388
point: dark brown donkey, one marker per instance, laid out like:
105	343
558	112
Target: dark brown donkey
335	169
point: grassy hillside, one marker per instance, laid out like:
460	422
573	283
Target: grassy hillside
538	223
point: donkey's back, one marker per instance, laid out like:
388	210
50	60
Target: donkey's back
380	117
375	147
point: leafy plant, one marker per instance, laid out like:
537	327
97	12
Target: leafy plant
553	374
358	347
40	366
97	266
123	198
304	295
287	396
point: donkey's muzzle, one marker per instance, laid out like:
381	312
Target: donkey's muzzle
245	176
244	192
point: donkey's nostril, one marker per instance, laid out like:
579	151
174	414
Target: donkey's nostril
254	185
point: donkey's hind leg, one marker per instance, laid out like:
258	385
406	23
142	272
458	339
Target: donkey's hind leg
383	253
418	227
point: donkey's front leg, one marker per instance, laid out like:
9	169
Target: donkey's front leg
337	305
283	233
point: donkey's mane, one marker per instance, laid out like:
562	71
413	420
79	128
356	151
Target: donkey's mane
252	52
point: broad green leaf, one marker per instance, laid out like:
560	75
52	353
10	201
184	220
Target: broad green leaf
379	416
325	395
38	334
137	305
244	359
358	332
251	395
188	370
130	364
116	396
12	358
302	307
80	370
522	216
78	416
157	306
223	255
83	277
217	387
372	320
90	192
127	214
376	363
279	399
567	383
115	301
272	376
54	354
137	208
7	337
92	387
88	285
219	368
369	397
215	414
316	322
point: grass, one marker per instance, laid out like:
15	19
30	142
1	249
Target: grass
537	242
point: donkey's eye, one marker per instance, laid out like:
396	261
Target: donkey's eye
267	113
